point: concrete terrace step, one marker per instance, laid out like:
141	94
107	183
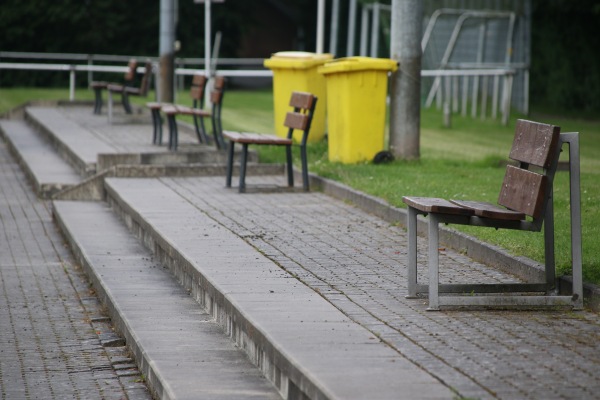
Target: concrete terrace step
73	142
180	349
49	173
301	342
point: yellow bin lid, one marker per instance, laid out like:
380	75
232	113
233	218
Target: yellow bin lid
296	59
353	64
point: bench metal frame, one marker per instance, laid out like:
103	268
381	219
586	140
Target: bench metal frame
198	113
549	287
129	90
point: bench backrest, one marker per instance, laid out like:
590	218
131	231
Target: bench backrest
301	118
145	83
131	71
197	90
526	187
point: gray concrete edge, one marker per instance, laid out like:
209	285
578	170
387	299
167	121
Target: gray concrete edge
92	188
158	386
62	149
217	304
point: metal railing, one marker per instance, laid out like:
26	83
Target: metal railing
73	64
459	88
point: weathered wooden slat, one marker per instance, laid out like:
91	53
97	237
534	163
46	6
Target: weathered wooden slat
301	100
256	138
296	120
534	143
523	191
488	210
436	205
199	80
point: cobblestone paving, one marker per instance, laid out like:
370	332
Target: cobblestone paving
53	337
358	262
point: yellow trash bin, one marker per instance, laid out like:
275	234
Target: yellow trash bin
297	71
357	88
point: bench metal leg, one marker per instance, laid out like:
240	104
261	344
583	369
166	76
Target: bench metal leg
304	159
216	130
157	127
230	164
200	129
125	101
172	132
549	260
434	266
98	101
110	106
412	253
242	187
290	167
575	203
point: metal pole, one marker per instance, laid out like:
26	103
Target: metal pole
333	35
405	108
351	29
72	83
364	26
375	29
167	49
207	39
320	26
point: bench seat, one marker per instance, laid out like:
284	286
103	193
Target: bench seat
463	207
173	109
257	138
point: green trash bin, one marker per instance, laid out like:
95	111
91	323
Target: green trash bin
356	106
297	71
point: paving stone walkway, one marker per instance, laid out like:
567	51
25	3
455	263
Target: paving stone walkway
51	326
357	262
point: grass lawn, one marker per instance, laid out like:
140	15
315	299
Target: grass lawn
462	162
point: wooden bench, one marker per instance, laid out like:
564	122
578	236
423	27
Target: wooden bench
300	118
196	111
525	203
126	91
99	86
197	94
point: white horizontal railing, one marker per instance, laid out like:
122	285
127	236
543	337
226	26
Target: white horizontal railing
458	88
74	68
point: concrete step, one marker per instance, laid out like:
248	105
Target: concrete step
78	146
48	172
303	344
180	349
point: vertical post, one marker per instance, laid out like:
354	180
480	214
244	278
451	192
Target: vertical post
333	35
320	26
434	263
166	49
575	200
207	38
72	83
351	29
412	253
405	109
364	26
375	29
